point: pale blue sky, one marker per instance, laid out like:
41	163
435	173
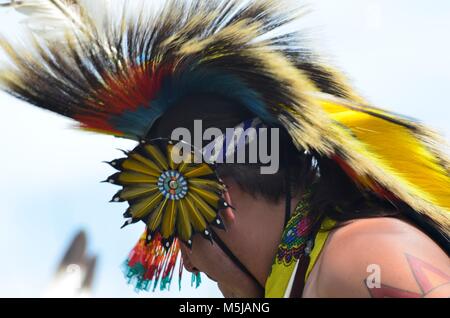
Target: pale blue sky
396	53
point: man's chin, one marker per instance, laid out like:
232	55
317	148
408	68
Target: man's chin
214	280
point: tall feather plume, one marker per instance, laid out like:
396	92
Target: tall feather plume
124	75
52	18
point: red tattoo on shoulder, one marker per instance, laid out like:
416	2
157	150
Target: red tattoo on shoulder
427	277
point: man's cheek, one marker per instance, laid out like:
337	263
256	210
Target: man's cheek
198	253
205	256
186	260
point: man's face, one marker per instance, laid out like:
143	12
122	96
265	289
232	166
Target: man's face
209	258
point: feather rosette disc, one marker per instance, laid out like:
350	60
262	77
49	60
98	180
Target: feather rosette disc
175	198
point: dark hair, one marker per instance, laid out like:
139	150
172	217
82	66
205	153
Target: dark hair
332	192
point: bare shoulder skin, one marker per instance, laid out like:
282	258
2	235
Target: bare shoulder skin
382	257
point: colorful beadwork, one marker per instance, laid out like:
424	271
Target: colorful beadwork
295	236
172	185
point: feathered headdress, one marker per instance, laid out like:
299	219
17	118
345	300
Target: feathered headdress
117	74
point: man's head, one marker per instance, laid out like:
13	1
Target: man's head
255	222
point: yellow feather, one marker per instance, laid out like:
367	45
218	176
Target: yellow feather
197	220
158	156
205	183
142	208
396	156
184	227
136	166
172	163
156	217
136	178
210	197
169	219
187	161
203	207
199	171
145	161
136	192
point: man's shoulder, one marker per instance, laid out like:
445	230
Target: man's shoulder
381	257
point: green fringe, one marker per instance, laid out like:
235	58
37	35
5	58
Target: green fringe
197	279
135	276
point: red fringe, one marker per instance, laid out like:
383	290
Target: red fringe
158	263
